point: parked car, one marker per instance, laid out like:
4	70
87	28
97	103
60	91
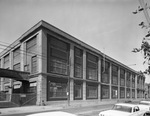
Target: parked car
54	113
145	102
122	109
144	105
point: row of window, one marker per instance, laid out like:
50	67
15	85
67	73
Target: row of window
58	90
58	62
30	57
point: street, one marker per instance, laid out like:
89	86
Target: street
80	111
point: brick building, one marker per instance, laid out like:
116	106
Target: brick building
60	67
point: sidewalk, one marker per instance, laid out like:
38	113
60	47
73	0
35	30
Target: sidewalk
32	109
28	109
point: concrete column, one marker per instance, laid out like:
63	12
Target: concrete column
39	51
43	45
110	77
99	78
41	89
125	85
136	76
131	85
11	67
84	75
71	89
2	79
22	56
71	66
118	82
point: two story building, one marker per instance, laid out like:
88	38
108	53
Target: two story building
62	68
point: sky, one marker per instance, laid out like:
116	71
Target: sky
107	25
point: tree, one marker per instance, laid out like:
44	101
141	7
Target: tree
145	46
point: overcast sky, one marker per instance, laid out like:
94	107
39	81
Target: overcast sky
107	25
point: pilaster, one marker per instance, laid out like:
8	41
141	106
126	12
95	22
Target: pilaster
84	75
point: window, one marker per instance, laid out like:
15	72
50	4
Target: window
57	90
114	92
128	93
16	56
78	61
16	67
92	67
91	91
114	75
31	45
122	77
31	51
122	92
6	61
133	81
77	91
34	64
0	63
105	92
58	53
133	93
128	79
105	71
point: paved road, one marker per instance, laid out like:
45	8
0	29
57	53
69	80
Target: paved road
81	111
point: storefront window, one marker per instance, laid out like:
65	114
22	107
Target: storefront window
77	91
133	93
105	92
122	92
91	91
114	92
128	93
57	90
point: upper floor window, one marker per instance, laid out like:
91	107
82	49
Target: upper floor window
78	62
16	56
122	77
114	75
105	67
16	67
31	50
34	64
58	56
133	80
31	45
92	67
128	79
6	61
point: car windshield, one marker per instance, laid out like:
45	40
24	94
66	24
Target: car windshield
143	103
122	108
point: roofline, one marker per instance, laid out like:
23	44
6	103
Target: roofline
60	32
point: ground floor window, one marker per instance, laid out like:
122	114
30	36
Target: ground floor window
57	89
77	90
128	93
122	92
133	93
91	91
105	91
114	92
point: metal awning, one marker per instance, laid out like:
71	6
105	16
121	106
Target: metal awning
13	74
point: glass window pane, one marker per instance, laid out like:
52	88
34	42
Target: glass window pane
105	92
91	91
